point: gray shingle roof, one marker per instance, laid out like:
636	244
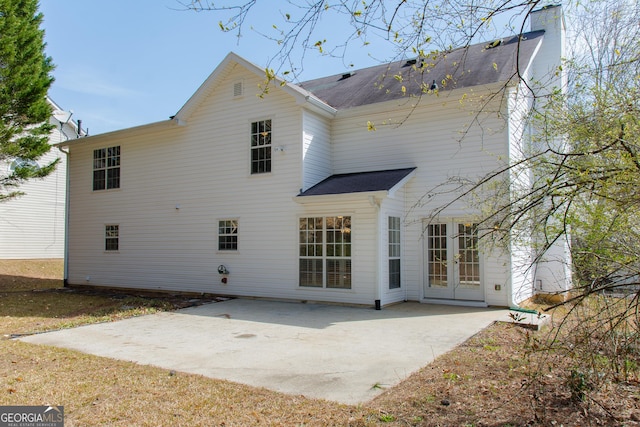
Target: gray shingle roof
472	66
358	182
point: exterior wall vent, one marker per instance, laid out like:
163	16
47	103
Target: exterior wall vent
238	89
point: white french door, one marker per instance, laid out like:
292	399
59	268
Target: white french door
452	261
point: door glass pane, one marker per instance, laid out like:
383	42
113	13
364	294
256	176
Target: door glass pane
468	256
437	255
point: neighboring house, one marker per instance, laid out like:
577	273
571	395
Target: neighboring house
32	226
291	196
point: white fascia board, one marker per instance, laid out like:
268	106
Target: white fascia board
200	93
339	198
302	96
123	133
392	191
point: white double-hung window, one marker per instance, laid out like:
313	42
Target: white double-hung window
261	147
106	168
394	252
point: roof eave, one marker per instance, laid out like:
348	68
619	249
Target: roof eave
340	197
314	104
124	133
392	191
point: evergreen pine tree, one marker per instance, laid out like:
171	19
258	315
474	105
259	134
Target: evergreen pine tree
24	82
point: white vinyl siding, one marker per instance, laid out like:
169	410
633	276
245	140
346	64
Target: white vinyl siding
182	180
32	225
316	150
429	138
177	249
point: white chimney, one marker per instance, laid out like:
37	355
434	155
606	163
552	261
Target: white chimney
546	70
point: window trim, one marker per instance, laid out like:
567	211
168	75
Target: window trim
111	237
394	251
105	167
333	250
268	147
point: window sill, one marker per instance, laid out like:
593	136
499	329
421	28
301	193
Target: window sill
105	190
325	289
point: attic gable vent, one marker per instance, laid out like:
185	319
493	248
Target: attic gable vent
238	89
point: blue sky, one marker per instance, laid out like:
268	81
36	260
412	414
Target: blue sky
123	63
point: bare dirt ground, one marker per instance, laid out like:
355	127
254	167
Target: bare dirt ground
500	377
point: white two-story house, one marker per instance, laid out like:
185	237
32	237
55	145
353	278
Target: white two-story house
294	195
32	226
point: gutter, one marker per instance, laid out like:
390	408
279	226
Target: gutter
523	310
378	280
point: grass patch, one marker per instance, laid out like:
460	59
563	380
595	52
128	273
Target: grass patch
38	304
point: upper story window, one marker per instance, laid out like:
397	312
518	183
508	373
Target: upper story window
106	168
261	146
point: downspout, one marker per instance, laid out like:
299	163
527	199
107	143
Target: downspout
378	294
511	94
66	220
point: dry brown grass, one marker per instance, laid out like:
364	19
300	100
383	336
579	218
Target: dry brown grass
497	378
33	300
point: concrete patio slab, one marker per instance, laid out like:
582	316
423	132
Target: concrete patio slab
338	353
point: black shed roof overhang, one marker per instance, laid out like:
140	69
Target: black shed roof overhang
364	184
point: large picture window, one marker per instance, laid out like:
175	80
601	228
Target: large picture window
325	252
106	168
261	147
